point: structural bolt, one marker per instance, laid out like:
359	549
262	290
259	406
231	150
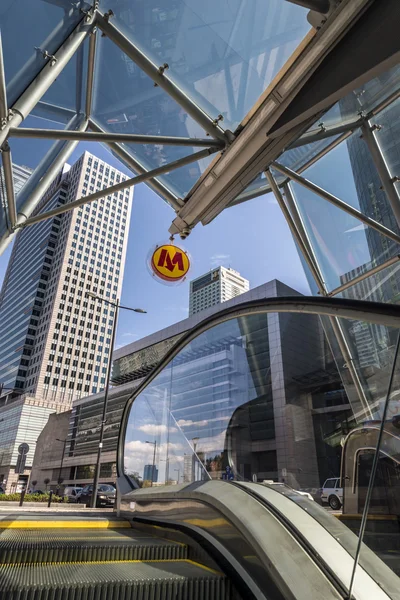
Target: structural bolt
376	127
217	120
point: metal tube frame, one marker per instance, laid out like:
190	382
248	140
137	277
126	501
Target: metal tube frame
120	186
388	263
157	74
387	182
90	73
334	321
336	202
133	164
3	91
9	181
326	132
126	138
40	181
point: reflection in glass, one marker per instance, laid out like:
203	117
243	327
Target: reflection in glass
53	24
223	59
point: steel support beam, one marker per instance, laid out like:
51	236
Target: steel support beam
181	162
90	73
325	132
373	271
382	169
298	230
3	92
292	226
125	138
255	193
50	43
384	103
137	167
35	91
41	179
9	181
302	231
158	74
336	202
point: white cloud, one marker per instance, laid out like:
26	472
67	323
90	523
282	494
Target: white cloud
219	259
153	429
187	423
130	334
272	200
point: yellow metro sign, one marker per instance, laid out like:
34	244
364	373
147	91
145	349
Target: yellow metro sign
170	263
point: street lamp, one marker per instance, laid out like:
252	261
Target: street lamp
154	460
195	441
117	306
61	465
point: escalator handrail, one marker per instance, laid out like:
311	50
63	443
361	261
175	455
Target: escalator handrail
324	551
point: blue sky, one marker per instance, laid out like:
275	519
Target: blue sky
252	238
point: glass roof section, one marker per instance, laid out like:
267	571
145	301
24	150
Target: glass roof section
222	54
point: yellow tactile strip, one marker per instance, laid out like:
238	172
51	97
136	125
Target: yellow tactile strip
37	524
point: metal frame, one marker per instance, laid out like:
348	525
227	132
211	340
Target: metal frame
158	75
123	185
298	230
336	201
388	263
367	130
77	129
126	138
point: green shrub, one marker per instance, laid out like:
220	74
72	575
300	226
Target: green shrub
32	498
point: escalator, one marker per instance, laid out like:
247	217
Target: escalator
94	562
206	540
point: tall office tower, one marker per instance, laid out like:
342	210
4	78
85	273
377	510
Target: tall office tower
217	286
56	340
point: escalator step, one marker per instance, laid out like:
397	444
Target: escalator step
38	546
129	580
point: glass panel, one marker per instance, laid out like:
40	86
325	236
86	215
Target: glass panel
387	137
382	533
126	101
344	246
69	89
52	25
224	58
269	398
362	100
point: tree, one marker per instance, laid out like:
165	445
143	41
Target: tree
34	482
46	482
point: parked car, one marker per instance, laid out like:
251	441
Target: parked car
36	492
332	493
105	495
72	492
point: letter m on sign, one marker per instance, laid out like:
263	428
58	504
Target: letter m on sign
169	263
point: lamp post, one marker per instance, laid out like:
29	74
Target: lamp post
61	464
154	460
117	306
195	442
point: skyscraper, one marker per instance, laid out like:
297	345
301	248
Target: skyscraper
55	341
217	286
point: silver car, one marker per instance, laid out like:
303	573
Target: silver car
72	493
332	493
